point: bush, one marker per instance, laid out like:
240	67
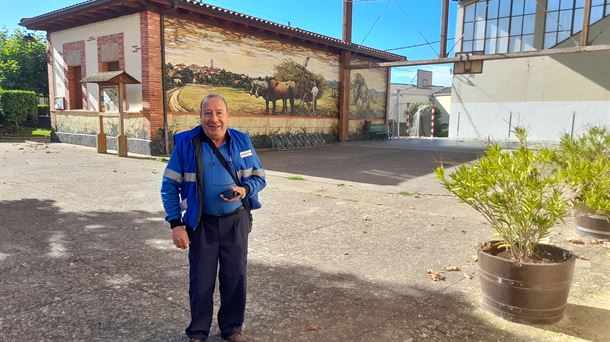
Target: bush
15	105
585	163
43	110
519	193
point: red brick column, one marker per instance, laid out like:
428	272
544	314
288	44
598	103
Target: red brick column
70	77
51	81
152	73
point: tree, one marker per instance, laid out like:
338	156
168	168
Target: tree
23	64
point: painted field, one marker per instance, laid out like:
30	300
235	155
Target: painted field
188	97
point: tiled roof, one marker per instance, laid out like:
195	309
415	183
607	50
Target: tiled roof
77	15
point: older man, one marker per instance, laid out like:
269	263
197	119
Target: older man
214	176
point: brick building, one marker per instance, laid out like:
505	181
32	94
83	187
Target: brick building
181	50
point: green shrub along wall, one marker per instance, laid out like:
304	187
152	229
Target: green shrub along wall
15	105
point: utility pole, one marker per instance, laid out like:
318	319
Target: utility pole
345	62
442	53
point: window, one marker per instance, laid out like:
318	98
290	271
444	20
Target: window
75	88
499	26
110	66
110	99
564	18
113	66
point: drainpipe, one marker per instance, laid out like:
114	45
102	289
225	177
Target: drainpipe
163	87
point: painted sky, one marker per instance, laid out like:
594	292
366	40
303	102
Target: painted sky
194	43
381	24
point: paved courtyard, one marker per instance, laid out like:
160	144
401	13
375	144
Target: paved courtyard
339	251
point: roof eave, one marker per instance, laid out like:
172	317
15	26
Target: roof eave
289	31
107	9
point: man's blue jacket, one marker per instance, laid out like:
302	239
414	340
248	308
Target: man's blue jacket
182	186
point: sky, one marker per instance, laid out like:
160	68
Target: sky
380	24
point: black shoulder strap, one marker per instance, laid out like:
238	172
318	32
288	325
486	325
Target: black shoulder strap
224	163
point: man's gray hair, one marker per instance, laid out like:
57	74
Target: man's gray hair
209	97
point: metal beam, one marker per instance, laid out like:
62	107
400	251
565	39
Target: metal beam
471	57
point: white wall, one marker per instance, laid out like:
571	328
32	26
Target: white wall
543	120
543	94
129	25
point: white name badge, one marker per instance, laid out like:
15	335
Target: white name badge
246	153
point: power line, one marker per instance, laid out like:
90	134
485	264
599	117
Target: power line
376	21
415	27
371	29
416	45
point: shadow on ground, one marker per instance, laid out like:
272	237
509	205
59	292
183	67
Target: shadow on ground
115	276
375	162
585	322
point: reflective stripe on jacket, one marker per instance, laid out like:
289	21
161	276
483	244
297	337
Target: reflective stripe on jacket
182	185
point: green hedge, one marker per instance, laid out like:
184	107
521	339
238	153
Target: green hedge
15	105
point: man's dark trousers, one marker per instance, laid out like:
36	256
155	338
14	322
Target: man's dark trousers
218	241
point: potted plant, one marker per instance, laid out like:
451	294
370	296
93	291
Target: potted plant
520	194
585	164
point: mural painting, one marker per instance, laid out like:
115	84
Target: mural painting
255	74
368	93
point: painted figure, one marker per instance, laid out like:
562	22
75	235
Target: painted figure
360	92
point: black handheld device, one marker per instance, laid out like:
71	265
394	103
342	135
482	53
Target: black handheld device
229	194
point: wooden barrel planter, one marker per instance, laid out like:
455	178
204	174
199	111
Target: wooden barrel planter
532	293
597	226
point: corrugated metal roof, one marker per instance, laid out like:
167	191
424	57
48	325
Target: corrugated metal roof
76	15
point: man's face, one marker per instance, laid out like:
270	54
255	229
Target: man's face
215	118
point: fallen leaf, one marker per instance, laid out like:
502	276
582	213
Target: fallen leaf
581	257
474	258
468	276
346	254
486	246
597	242
435	275
450	268
366	218
576	241
314	328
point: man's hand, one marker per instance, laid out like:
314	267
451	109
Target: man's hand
181	238
241	193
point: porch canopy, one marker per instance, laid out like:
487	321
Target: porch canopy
118	79
110	77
